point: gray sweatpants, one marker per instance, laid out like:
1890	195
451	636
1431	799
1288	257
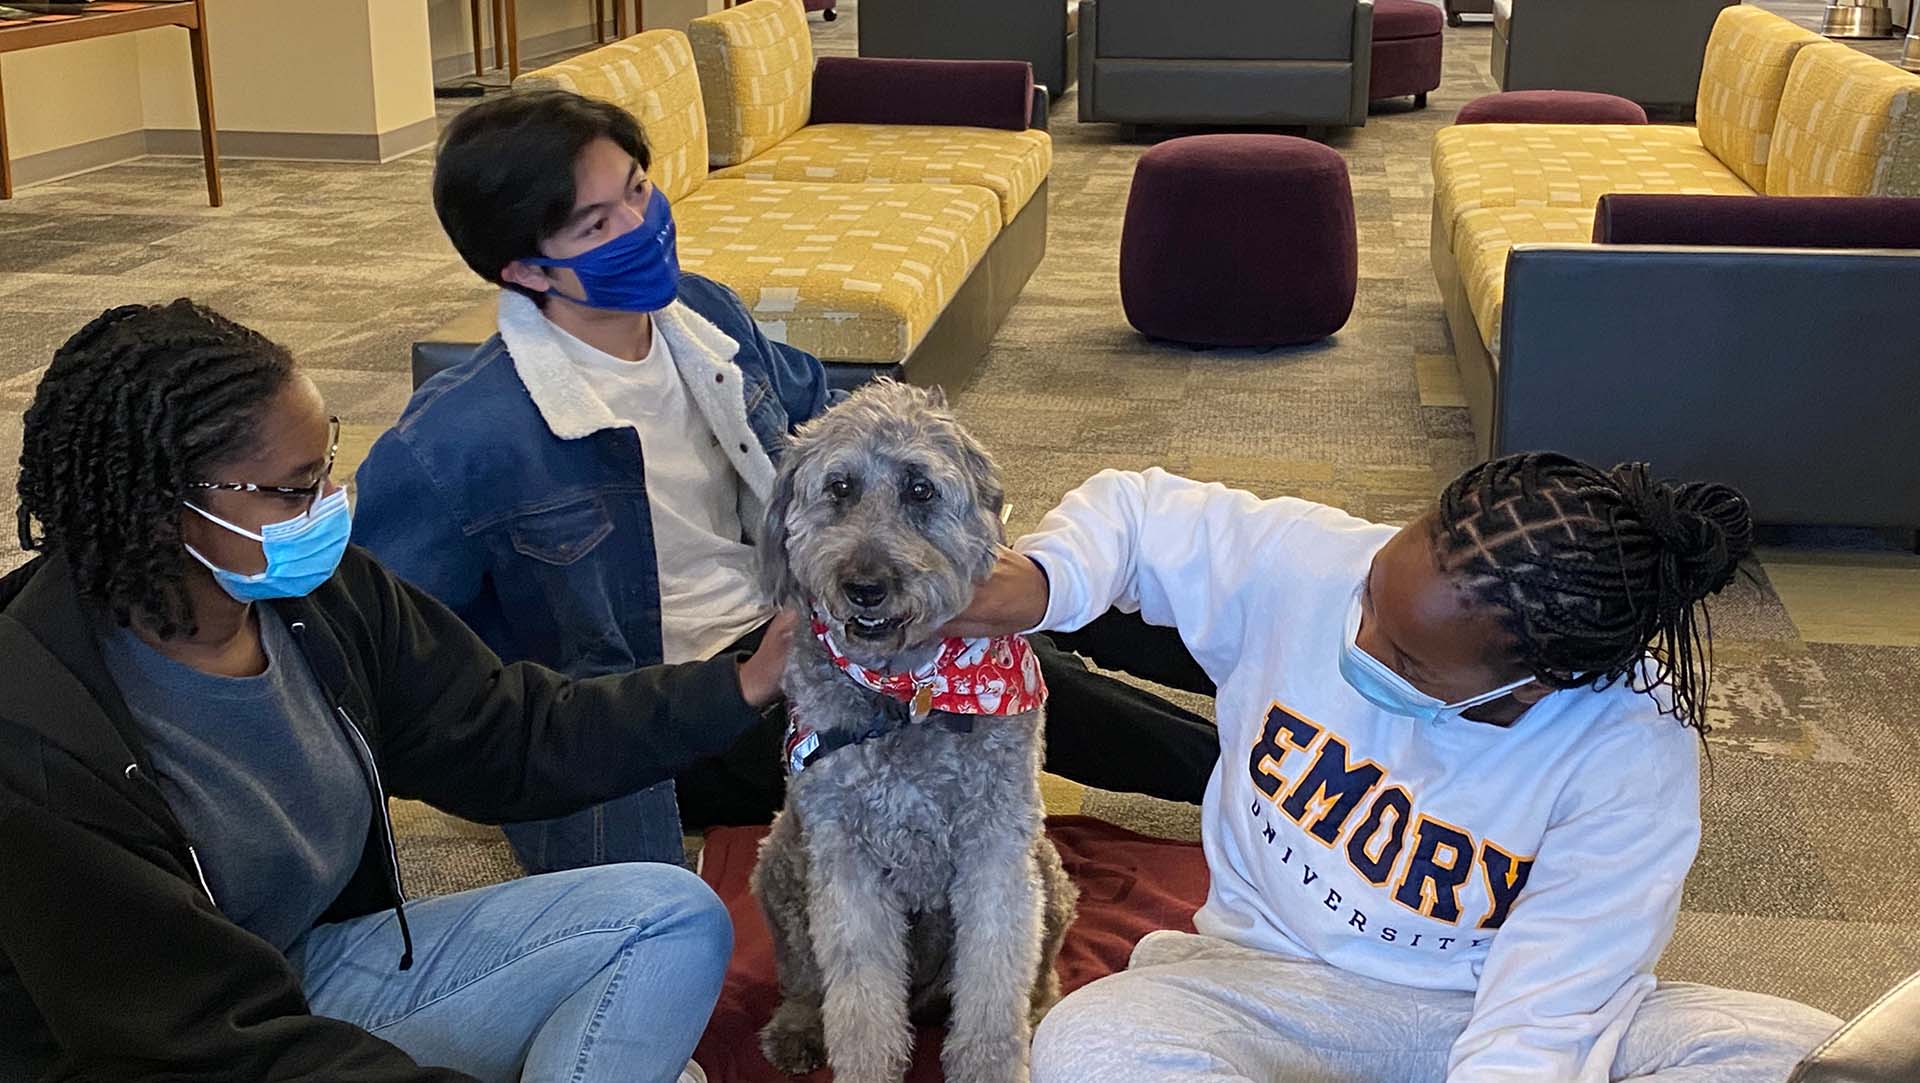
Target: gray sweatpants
1193	1008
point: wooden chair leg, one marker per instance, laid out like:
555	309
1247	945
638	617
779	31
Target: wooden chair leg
203	90
513	41
6	160
479	49
619	19
499	37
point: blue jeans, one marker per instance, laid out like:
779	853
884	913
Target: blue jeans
599	974
743	785
642	826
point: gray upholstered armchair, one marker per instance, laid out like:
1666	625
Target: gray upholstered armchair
1043	33
1457	8
1225	61
1580	45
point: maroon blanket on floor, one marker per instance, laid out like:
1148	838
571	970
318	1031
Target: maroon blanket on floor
1130	885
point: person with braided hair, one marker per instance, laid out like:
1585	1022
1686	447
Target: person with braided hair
1458	790
209	697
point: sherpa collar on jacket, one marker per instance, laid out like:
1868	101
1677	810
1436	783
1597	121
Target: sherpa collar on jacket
702	354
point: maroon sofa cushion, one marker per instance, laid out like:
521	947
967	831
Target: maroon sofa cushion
1758	221
1129	884
1550	107
886	90
1394	19
1239	240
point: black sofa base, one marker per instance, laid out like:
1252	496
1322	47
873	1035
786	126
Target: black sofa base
1787	373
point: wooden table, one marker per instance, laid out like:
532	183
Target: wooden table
188	14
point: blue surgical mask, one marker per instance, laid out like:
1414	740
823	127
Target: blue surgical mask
1379	685
638	271
301	553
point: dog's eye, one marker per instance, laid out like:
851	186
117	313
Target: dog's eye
920	490
839	488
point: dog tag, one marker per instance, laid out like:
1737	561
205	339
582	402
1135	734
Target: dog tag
922	702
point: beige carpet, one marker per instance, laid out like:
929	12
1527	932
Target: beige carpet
1808	884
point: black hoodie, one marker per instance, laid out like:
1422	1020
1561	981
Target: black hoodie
114	963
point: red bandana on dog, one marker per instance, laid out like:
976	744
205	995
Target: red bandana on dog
996	676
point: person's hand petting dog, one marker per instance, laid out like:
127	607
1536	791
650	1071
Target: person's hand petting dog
1009	601
760	674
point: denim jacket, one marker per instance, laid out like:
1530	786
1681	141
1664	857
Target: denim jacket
508	491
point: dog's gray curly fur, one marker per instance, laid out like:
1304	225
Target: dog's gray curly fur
907	880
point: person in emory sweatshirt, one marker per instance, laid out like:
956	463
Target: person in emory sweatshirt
1458	790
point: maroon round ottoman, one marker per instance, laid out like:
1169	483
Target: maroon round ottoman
1550	107
1406	50
1239	240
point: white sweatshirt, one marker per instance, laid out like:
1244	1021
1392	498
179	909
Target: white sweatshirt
1538	865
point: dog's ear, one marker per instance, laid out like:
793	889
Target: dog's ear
776	575
988	494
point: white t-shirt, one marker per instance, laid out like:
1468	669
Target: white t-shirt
710	592
1538	864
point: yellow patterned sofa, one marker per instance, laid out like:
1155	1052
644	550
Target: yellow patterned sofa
914	238
879	247
1556	336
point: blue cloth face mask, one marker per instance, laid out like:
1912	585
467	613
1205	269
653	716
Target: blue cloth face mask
301	553
1379	685
638	271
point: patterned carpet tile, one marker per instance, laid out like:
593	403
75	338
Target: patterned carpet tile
1837	966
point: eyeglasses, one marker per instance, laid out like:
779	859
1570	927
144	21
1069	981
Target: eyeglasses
310	493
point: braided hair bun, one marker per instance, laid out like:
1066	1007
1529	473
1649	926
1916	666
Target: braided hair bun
1595	570
1704	528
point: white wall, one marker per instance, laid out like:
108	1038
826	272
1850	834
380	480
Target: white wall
537	19
323	67
327	67
68	94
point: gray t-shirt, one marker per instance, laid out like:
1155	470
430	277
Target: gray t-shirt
260	774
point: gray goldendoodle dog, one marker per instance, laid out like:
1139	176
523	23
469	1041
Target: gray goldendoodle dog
907	880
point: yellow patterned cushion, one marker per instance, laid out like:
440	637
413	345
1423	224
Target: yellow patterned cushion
854	272
1481	242
1568	165
1741	81
1011	164
1849	125
652	76
756	70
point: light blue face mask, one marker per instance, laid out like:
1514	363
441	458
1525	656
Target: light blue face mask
301	553
1379	685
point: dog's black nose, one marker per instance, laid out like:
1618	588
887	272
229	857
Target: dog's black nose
865	595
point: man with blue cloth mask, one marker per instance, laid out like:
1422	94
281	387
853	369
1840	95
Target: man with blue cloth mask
585	490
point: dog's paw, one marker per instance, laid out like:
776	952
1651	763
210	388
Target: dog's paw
794	1045
968	1059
